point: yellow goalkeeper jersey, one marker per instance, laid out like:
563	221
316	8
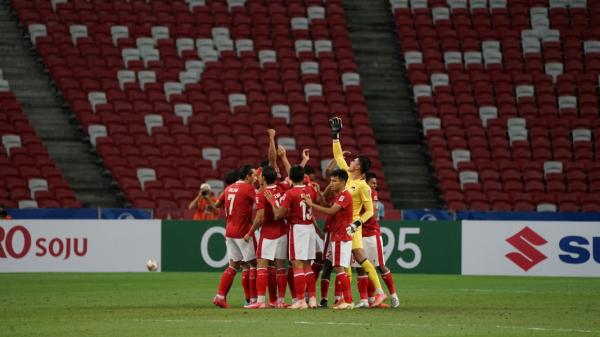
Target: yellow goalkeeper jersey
358	188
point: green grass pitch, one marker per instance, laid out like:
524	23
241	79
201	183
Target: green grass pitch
179	304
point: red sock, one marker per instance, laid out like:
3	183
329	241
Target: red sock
370	289
324	287
316	268
272	284
363	284
246	283
282	282
389	282
290	279
299	283
252	282
338	293
262	276
226	280
344	286
311	286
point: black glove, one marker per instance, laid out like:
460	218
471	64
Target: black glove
335	124
351	229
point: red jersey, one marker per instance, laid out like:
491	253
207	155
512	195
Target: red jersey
299	213
271	228
239	200
371	227
343	218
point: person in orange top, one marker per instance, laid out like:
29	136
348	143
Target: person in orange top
204	204
4	214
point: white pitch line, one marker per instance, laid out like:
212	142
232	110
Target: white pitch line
505	291
381	324
544	329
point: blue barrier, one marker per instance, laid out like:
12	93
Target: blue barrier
426	215
124	213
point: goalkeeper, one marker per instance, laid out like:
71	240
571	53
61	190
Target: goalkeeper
361	199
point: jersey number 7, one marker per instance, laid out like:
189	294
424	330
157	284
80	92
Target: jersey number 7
231	199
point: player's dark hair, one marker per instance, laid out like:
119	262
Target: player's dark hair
369	176
365	164
231	177
309	170
340	174
269	174
245	171
264	163
297	173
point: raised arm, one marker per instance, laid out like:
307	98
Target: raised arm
272	154
305	157
283	156
338	155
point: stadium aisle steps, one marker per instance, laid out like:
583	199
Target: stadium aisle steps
409	178
44	111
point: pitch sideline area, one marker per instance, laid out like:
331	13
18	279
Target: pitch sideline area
179	304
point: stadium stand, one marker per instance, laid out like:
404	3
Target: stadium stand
507	96
28	177
173	93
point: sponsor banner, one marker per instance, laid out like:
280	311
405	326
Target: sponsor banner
124	213
426	215
430	247
53	213
193	245
408	246
537	216
78	245
549	248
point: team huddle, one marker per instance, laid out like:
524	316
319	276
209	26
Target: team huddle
284	229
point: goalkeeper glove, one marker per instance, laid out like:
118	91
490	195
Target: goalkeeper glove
351	229
336	126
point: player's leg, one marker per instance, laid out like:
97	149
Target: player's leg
265	253
386	273
272	284
235	257
360	256
370	247
341	252
247	251
317	264
262	278
325	280
246	281
309	275
281	256
362	282
299	242
282	270
252	280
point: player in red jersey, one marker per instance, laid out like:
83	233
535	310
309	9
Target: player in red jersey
340	246
301	236
373	244
273	242
238	199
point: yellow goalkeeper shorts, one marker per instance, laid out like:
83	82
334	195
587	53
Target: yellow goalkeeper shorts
357	242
